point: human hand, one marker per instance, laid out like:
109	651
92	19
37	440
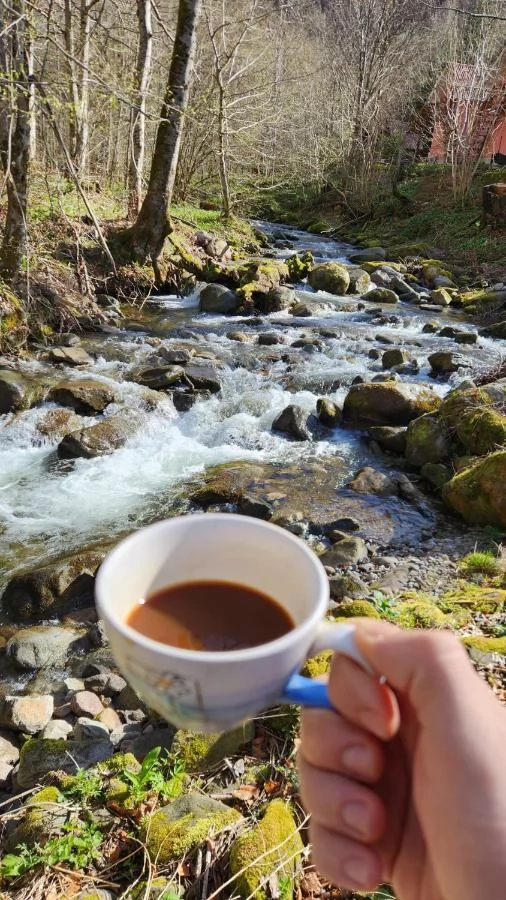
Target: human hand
406	783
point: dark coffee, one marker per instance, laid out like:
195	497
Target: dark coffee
210	615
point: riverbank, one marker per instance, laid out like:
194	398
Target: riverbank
337	402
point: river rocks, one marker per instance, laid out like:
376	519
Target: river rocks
359	281
215	298
256	508
17	391
35	648
203	377
370	481
28	714
86	703
158	378
270	338
348	585
328	412
175	830
368	254
393	358
345	552
70	356
427	441
59	587
478	493
437	474
466	337
381	295
172	357
331	277
106	684
495	331
293	421
386	404
39	757
475	416
57	730
86	729
86	396
106	436
301	310
269	852
392	440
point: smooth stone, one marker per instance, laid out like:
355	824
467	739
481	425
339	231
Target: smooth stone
86	396
86	729
85	703
70	356
28	714
346	552
293	421
57	730
40	646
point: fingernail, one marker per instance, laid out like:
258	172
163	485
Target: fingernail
357	759
358	872
356	815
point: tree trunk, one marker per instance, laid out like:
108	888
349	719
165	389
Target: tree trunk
78	61
138	126
152	226
15	134
226	203
494	205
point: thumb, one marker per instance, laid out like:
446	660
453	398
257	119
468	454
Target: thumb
426	667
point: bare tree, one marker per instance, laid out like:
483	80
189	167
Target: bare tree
78	60
14	131
138	114
147	235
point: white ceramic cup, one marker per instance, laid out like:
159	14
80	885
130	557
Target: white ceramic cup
212	691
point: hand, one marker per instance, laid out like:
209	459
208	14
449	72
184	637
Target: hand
406	783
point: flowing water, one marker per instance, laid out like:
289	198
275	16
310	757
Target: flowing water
49	506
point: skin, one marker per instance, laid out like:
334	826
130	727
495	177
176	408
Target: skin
406	782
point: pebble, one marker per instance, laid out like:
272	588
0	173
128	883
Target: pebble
110	718
107	684
57	730
87	729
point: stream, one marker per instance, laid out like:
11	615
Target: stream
49	506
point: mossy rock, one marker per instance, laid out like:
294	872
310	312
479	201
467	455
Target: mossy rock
119	763
432	269
39	757
372	265
176	829
272	846
427	441
420	613
408	251
357	608
317	665
478	301
487	600
331	277
198	752
48	794
479	492
155	889
483	644
387	404
299	265
381	295
260	278
319	227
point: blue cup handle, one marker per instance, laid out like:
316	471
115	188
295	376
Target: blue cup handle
305	691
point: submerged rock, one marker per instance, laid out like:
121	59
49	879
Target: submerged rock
370	481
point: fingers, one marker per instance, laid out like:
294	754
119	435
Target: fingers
344	861
332	743
341	805
361	699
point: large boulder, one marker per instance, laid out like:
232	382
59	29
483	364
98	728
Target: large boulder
478	493
427	441
276	300
215	298
40	646
331	277
203	377
17	391
390	439
389	403
175	830
98	440
87	396
51	590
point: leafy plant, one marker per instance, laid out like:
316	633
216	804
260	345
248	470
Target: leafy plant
386	606
151	777
15	864
482	561
77	847
84	786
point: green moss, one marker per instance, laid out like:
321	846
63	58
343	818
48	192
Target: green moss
118	796
46	795
119	763
478	493
477	599
403	251
273	845
317	665
197	752
300	265
358	608
484	562
421	613
167	840
486	644
331	277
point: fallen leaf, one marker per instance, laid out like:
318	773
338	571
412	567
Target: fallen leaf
270	787
183	870
246	792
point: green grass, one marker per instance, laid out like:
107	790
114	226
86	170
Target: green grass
481	561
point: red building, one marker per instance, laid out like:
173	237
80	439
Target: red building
469	114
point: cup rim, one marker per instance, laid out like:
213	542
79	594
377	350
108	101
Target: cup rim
309	624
